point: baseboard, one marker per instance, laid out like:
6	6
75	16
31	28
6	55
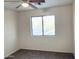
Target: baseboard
10	53
47	51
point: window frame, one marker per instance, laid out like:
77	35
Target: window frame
31	29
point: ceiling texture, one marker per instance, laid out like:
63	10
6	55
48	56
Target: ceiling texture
48	3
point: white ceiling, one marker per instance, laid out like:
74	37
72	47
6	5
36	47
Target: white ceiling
48	3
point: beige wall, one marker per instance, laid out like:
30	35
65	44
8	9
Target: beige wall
74	28
11	37
62	42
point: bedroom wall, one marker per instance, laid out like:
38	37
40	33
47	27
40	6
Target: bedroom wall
11	32
62	42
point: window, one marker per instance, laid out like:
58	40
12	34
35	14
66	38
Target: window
43	25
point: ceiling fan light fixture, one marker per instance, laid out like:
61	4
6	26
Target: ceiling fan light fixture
25	4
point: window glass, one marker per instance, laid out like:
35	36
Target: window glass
49	25
43	25
37	25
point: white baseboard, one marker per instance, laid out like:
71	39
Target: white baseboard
10	53
46	50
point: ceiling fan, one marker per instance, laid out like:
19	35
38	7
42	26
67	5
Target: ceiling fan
26	3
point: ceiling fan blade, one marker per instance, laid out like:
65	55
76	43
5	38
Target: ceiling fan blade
18	6
12	1
32	6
